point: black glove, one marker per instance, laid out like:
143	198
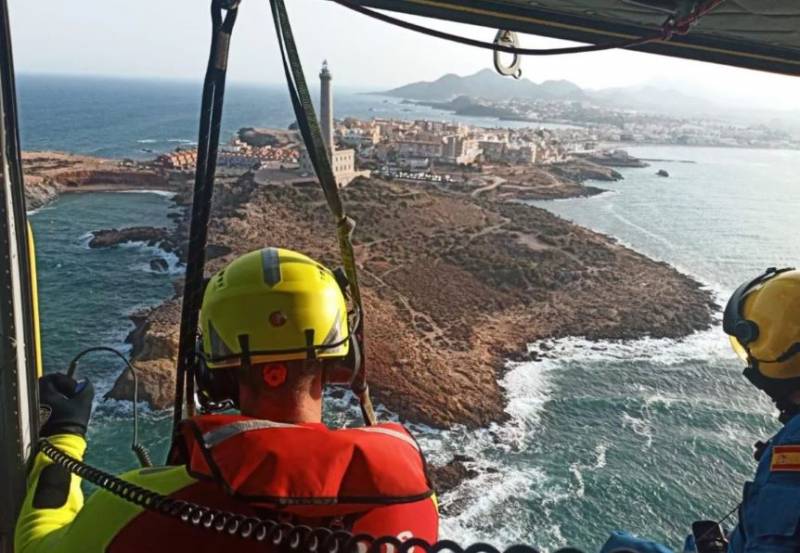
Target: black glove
65	405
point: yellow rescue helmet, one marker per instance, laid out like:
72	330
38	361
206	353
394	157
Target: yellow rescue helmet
273	305
763	321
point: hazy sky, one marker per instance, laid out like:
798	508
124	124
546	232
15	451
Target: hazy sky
169	39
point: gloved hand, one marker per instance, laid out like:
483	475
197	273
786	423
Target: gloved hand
65	405
623	542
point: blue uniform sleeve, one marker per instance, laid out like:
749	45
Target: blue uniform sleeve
625	542
770	511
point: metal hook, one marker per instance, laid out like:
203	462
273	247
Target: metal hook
510	39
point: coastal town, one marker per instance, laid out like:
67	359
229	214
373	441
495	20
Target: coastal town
451	151
583	121
417	150
421	150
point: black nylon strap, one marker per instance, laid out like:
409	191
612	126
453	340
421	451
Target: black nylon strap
312	136
207	146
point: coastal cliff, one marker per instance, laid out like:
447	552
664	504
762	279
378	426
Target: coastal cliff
455	285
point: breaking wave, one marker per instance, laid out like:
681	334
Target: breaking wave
173	264
530	483
162	193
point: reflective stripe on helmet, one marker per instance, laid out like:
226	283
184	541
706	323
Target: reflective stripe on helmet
271	265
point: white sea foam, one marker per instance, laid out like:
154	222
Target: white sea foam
162	193
486	500
38	210
706	345
147	141
85	238
174	265
504	477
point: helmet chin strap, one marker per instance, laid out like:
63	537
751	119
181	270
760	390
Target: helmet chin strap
779	391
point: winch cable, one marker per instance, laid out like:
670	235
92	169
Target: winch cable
207	146
317	153
269	532
671	26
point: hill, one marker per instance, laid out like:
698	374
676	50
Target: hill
487	84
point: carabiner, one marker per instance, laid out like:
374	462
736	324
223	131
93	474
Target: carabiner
510	39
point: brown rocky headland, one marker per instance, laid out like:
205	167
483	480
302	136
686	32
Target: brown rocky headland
458	277
456	283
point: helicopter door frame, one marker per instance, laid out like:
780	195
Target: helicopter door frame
18	351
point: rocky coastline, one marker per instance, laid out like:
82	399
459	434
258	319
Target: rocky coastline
457	279
50	174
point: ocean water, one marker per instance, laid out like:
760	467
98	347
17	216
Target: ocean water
136	119
646	435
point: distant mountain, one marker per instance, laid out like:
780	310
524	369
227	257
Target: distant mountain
486	84
655	99
650	98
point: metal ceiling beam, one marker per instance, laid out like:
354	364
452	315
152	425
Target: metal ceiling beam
586	28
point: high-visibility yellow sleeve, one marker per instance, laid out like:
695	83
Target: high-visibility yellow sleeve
39	528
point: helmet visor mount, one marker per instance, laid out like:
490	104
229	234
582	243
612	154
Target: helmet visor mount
246	356
744	331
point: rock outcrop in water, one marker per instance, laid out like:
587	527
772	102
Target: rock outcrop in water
113	237
455	285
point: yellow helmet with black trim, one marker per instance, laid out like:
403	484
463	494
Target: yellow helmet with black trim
763	321
273	305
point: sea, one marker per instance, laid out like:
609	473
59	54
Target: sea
645	435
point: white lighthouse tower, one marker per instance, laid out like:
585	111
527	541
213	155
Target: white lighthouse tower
342	162
326	108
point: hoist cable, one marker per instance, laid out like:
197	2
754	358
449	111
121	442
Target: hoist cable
207	146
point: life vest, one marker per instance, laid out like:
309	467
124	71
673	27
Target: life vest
306	469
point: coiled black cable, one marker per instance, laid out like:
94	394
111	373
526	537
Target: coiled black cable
141	452
269	532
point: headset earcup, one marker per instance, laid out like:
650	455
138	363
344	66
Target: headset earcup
202	379
746	331
343	371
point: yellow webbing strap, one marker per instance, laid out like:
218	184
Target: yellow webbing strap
37	336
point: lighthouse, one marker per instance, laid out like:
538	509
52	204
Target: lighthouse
343	162
326	108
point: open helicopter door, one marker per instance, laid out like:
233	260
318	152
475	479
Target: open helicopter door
19	357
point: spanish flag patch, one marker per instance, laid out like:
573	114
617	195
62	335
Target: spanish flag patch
785	458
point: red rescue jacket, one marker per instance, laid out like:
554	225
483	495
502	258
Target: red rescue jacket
369	480
306	469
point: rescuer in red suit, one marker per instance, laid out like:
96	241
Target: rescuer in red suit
275	330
